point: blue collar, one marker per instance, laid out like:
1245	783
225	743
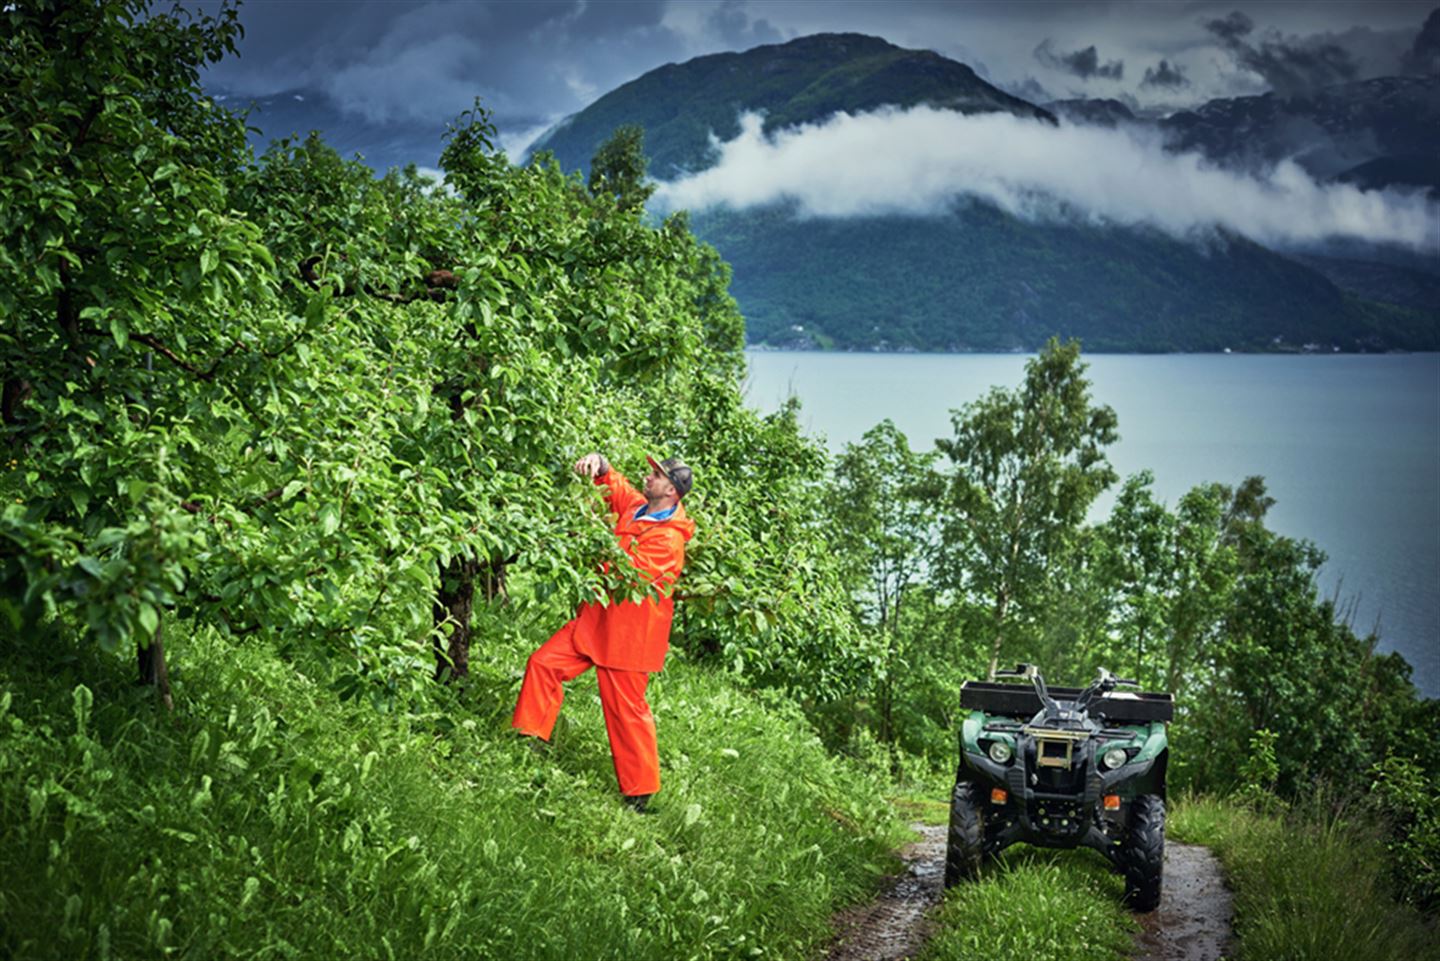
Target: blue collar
664	515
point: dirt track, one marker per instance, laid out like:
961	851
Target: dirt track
894	925
1193	922
1194	919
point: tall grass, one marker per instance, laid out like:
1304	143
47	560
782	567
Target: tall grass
1310	883
1036	903
265	819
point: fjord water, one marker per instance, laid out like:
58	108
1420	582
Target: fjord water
1349	446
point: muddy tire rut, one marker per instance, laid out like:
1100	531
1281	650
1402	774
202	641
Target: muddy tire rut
895	925
1193	922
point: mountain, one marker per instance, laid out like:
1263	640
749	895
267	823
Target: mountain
1376	133
1329	132
1096	112
973	278
682	106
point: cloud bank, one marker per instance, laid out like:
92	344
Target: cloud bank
919	161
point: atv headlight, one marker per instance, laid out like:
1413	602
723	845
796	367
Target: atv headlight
1115	757
1000	752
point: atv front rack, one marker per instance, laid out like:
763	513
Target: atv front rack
1020	700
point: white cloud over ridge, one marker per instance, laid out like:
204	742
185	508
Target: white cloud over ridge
919	161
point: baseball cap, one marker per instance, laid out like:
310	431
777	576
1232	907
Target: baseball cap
675	472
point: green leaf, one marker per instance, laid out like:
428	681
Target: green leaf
329	519
149	618
208	259
120	330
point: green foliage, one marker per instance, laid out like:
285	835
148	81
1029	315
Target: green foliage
1408	799
881	504
1026	466
1201	599
1033	904
618	168
764	593
267	819
285	398
1285	662
1259	771
1311	883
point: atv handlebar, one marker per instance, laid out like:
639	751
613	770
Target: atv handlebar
1104	683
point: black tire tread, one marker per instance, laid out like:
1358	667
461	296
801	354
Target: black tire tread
966	840
1143	855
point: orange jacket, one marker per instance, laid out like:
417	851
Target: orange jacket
632	636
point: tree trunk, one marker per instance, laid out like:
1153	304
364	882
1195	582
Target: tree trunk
1002	602
454	600
15	392
151	661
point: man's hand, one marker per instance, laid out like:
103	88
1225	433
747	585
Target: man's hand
592	465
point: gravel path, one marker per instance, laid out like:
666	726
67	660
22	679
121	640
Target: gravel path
1193	922
894	926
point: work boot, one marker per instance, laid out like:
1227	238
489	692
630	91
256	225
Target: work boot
639	803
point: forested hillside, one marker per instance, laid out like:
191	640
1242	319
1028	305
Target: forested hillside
290	445
682	106
971	278
968	276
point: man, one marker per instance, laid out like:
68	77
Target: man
626	641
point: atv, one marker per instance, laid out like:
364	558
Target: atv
1062	768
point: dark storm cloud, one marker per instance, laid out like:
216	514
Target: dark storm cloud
409	61
421	62
1165	75
1231	29
1423	57
736	28
1083	63
1292	66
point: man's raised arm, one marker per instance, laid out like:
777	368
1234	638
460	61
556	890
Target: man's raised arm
621	494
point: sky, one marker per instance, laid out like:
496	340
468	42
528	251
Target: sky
531	63
383	78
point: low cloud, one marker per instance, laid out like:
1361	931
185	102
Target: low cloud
1163	74
1084	64
516	143
919	162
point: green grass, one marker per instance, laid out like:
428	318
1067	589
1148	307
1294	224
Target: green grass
265	819
1310	884
1036	903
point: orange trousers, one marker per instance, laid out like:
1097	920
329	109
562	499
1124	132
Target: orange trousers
628	720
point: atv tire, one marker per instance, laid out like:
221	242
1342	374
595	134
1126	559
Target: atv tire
1143	853
966	841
